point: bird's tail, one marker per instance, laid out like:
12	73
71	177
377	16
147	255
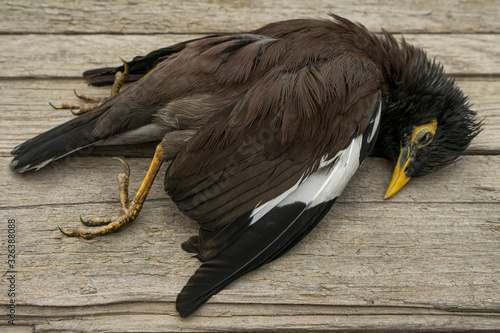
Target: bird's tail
81	132
57	142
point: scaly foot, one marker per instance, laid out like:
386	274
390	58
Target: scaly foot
82	108
98	226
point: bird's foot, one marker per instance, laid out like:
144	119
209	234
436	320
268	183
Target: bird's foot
98	226
80	108
108	224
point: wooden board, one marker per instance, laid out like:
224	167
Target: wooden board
427	259
69	56
204	16
428	254
26	112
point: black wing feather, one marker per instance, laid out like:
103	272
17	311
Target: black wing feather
263	241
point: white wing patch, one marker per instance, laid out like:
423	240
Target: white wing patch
262	210
323	185
328	183
324	162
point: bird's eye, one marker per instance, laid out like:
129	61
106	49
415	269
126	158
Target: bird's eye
423	138
422	135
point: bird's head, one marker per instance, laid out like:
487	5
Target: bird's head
426	119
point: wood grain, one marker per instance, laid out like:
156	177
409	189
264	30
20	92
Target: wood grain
427	249
26	113
69	56
462	181
202	16
427	259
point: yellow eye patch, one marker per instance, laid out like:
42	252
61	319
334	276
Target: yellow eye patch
422	135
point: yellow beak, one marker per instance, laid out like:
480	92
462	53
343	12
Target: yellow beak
399	178
421	136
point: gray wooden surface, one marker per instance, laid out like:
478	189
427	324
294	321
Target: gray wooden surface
427	259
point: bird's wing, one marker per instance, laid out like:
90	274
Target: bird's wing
137	67
276	133
268	166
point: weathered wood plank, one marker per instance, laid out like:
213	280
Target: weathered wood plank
92	180
69	56
263	322
427	258
412	260
26	113
194	16
7	328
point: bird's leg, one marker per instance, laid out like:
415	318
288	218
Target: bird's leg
123	182
120	78
96	226
81	108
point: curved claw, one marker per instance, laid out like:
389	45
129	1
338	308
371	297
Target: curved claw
125	66
77	232
77	94
57	107
67	233
86	222
76	113
126	167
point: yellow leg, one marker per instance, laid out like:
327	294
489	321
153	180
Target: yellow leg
100	226
120	79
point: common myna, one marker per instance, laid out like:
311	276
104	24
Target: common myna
263	131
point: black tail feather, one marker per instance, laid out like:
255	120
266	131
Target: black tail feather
106	76
55	143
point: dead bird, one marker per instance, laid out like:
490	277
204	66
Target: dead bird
263	131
